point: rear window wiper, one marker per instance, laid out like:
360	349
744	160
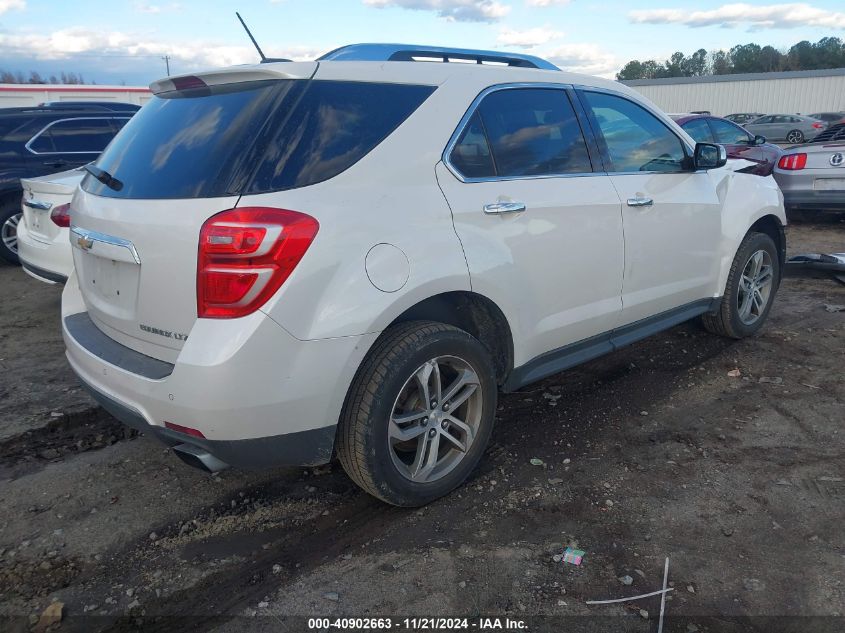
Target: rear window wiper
104	177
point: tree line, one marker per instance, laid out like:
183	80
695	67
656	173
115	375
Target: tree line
828	52
17	77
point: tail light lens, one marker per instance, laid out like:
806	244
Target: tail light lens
60	215
245	255
793	162
818	126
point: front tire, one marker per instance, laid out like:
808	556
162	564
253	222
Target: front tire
750	291
419	413
10	216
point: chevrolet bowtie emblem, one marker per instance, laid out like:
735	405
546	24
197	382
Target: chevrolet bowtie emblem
84	243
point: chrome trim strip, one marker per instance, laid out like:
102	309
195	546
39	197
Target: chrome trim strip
78	234
75	118
37	204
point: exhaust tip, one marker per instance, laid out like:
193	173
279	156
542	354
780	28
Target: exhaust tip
199	458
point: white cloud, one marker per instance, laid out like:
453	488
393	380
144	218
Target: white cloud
546	3
528	38
588	59
154	9
8	5
452	10
772	16
186	55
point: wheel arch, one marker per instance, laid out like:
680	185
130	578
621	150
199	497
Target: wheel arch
771	225
473	313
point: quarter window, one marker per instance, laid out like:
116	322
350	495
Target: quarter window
533	132
471	155
634	139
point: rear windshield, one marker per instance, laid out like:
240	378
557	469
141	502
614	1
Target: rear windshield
251	137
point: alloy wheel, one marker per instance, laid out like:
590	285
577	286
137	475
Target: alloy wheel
435	419
755	287
795	137
9	232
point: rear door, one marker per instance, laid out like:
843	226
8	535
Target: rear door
539	222
671	214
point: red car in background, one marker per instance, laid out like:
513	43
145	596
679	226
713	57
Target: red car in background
738	142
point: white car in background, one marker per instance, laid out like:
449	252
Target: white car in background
43	241
278	262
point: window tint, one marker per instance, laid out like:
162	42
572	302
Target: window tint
764	119
471	154
698	130
335	125
635	139
79	135
534	132
729	134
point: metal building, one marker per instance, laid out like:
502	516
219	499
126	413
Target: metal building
25	95
793	92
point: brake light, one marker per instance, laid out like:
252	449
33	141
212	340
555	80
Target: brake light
245	255
188	82
818	126
61	215
792	162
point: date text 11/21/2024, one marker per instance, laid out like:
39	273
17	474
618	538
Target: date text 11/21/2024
416	624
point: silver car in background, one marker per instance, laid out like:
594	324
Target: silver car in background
812	176
792	128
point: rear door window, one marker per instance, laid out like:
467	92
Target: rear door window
75	136
698	130
534	132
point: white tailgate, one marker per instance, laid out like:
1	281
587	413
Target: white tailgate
136	263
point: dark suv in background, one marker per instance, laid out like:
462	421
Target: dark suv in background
47	139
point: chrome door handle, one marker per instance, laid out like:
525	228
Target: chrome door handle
640	202
37	204
504	207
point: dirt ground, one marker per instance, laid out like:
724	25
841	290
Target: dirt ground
653	452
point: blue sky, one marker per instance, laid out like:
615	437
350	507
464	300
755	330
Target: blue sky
123	41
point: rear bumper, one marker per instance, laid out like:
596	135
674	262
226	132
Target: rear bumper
815	200
259	396
51	262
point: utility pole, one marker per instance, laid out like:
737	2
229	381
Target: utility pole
166	59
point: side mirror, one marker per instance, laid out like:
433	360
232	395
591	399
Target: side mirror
710	156
759	140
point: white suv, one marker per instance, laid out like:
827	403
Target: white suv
280	262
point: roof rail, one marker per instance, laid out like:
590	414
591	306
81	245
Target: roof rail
412	52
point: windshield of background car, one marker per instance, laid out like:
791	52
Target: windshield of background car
251	137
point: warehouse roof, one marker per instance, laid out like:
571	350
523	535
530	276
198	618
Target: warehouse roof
708	79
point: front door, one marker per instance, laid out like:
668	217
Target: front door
539	223
671	213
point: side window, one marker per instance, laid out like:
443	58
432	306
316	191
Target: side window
43	143
765	119
729	134
471	154
534	132
80	135
698	130
635	139
118	124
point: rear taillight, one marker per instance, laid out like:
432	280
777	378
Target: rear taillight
61	215
818	126
793	162
245	255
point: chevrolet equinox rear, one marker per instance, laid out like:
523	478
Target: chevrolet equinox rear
278	263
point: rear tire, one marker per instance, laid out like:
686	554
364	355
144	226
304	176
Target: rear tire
750	290
400	448
10	217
